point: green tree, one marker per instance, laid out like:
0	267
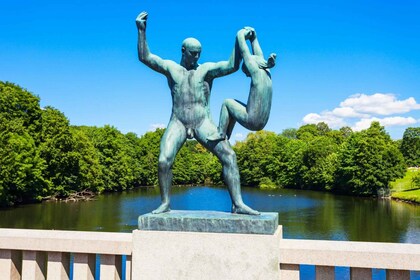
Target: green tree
415	181
323	128
148	155
346	131
215	171
115	157
339	136
58	150
183	172
290	157
368	161
410	146
193	164
21	166
307	132
18	103
319	163
89	176
133	151
257	158
289	133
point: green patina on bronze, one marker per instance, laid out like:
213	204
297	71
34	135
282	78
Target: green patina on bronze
253	115
190	84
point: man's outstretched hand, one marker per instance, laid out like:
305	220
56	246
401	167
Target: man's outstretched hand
141	20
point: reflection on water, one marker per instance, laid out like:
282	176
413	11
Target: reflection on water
303	214
316	215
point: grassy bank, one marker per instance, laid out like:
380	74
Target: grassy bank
404	189
411	195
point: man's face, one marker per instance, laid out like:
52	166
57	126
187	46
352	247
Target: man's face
191	55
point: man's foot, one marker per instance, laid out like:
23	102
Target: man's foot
216	136
243	209
164	207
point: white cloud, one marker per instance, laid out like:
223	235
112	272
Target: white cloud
360	110
391	121
380	104
363	124
348	112
239	136
154	126
398	121
327	117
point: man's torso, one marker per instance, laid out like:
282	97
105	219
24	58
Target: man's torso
190	95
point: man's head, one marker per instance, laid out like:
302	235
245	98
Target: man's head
191	50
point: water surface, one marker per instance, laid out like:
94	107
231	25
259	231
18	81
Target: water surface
303	214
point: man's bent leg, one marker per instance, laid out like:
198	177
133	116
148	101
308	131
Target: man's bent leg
227	157
172	140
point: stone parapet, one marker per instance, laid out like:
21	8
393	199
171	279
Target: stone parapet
205	255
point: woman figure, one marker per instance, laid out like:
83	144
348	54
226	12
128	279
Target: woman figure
253	115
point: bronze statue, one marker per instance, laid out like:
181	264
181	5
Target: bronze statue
190	84
253	115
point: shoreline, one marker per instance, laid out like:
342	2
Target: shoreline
87	195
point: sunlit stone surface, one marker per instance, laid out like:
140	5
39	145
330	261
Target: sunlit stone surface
210	221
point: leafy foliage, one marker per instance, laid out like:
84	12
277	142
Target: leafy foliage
319	163
257	158
58	151
41	155
357	163
21	166
368	161
410	146
118	166
18	103
415	181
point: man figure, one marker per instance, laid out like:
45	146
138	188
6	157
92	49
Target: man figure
190	85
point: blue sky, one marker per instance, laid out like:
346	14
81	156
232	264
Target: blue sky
342	62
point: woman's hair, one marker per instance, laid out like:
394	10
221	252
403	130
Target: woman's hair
261	62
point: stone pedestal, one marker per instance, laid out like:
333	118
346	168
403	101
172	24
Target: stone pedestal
194	254
210	221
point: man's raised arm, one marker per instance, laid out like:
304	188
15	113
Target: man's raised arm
224	68
145	56
241	37
252	36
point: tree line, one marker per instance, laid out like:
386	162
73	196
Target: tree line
42	155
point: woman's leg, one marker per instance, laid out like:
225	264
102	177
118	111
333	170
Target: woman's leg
231	111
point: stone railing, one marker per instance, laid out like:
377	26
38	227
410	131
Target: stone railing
398	259
39	254
48	254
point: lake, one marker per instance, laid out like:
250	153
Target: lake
303	214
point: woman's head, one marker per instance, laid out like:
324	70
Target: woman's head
261	63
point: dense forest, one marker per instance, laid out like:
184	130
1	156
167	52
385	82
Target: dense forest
42	155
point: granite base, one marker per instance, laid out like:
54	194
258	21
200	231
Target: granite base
210	221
